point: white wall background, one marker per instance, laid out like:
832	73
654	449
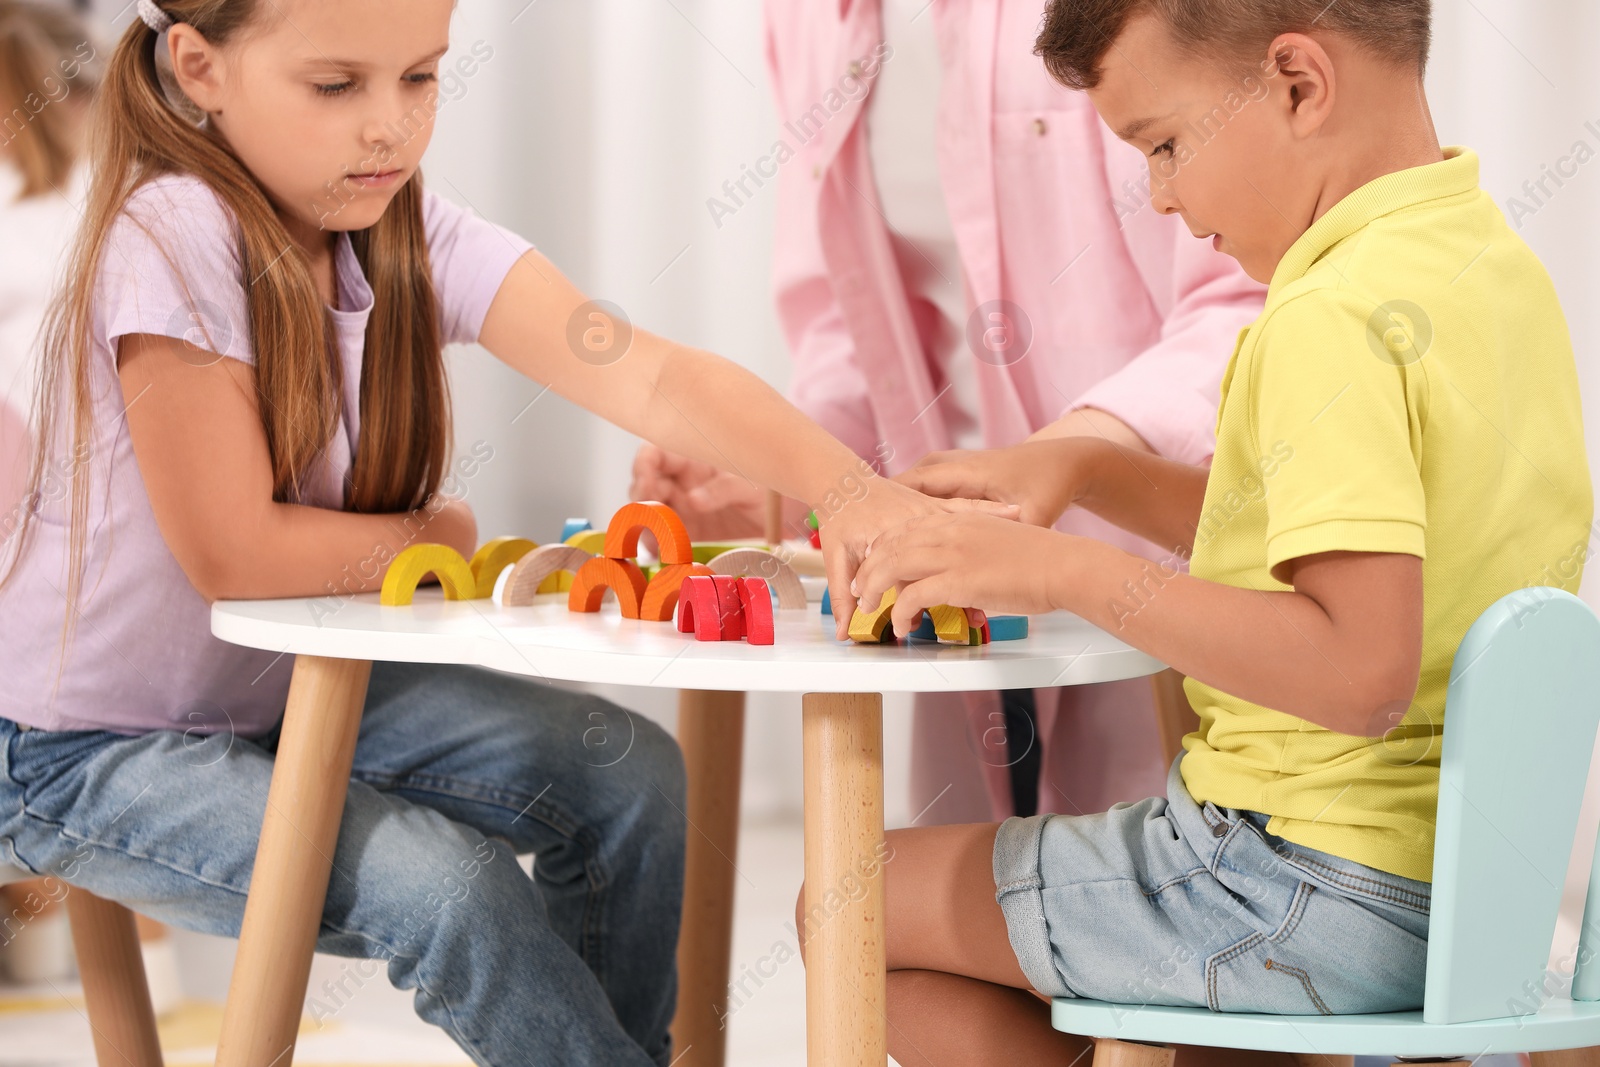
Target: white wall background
600	127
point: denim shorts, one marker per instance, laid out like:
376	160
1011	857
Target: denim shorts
1169	901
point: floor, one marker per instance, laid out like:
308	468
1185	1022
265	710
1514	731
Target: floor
355	1018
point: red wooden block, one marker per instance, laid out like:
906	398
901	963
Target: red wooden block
661	597
622	535
700	608
599	574
755	600
732	611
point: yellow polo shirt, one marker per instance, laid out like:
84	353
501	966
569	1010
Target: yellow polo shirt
1409	387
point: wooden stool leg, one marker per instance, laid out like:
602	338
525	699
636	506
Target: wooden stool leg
1109	1053
1174	716
845	997
114	987
289	885
1575	1057
711	733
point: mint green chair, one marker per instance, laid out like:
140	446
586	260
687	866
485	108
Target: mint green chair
1522	711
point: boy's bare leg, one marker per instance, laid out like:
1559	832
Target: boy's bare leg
956	992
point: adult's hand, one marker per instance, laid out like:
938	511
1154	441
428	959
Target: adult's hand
713	504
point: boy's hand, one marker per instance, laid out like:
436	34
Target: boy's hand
850	533
1042	477
965	560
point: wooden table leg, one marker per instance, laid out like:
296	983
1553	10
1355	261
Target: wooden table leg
289	884
845	999
711	733
114	987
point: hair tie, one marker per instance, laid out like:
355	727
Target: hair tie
154	17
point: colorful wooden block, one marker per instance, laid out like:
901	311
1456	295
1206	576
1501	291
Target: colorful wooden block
700	608
672	538
706	551
1008	627
874	627
590	541
732	617
755	600
827	603
950	624
661	595
495	556
539	572
742	562
416	563
599	574
572	527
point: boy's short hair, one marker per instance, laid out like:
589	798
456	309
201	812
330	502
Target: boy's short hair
1077	34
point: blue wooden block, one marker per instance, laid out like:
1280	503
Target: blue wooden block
827	603
1008	627
574	526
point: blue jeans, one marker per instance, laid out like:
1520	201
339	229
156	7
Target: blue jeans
1169	901
457	770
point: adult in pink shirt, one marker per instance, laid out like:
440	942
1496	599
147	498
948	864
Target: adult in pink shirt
967	257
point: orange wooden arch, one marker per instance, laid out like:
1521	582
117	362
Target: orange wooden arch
622	535
662	595
599	574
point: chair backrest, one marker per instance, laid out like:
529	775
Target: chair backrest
1521	715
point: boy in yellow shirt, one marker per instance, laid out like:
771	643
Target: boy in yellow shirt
1399	445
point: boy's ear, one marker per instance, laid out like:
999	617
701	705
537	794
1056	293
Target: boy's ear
195	66
1304	73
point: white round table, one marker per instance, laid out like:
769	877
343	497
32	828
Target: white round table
336	641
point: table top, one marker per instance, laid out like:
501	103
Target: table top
546	640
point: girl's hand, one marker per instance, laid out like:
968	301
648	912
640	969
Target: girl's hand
1043	477
852	530
967	561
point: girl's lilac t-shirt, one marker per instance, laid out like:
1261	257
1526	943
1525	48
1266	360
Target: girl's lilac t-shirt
142	657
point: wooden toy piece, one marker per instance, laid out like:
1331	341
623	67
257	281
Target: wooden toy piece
1008	627
950	624
709	607
706	551
661	595
700	608
827	603
672	538
756	601
814	530
732	616
591	541
924	630
495	556
874	627
538	571
742	562
416	563
599	574
979	623
572	527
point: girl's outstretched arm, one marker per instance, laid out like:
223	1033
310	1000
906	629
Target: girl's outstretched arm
698	405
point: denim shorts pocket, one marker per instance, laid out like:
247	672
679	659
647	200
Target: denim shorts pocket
1332	955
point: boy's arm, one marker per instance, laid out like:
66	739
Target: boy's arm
1155	498
1342	650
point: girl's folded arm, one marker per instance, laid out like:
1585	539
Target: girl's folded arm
203	457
